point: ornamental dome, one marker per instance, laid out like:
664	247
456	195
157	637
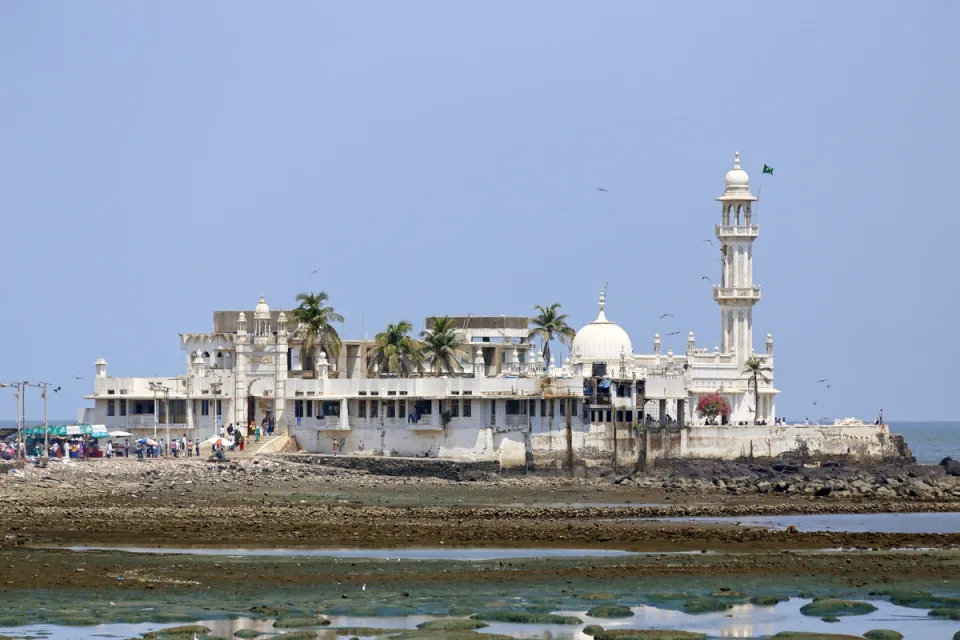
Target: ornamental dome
737	179
262	310
601	341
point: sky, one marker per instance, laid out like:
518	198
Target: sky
159	160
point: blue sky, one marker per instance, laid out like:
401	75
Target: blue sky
162	159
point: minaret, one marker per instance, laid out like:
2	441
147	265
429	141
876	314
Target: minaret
736	294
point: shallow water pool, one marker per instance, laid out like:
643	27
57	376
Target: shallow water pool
948	522
742	621
467	554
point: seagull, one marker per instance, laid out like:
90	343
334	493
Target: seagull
824	380
76	377
363	588
815	402
602	189
705	278
667	314
315	271
708	241
828	386
673	334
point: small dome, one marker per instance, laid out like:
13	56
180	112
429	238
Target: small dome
601	340
241	317
262	309
282	317
737	179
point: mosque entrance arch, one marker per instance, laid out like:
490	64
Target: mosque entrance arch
260	401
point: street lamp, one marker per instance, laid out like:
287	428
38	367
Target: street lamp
155	387
43	394
18	396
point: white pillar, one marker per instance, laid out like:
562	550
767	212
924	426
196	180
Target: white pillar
435	413
344	420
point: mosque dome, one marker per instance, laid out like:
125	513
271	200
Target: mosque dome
262	309
737	179
601	340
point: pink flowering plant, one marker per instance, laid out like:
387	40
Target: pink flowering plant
712	405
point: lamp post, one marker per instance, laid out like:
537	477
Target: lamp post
216	387
156	386
43	394
18	396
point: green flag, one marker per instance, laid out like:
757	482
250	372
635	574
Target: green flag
768	169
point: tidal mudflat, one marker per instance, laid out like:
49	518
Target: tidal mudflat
329	553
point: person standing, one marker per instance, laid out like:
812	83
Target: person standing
197	445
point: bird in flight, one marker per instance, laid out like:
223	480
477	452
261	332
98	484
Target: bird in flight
815	402
705	278
673	334
824	380
315	271
828	386
710	242
666	314
602	189
76	377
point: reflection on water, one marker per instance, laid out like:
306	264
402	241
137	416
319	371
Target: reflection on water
742	621
425	553
850	522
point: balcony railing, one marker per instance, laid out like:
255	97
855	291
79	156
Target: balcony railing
748	230
730	293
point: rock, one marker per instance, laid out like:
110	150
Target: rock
883	634
648	634
455	624
705	605
523	617
952	614
592	629
835	608
610	611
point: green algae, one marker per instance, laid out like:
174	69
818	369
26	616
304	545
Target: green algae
808	635
525	617
649	634
249	633
830	619
176	633
831	608
420	634
302	621
589	630
767	601
366	632
945	612
705	605
883	634
457	624
298	635
922	600
610	611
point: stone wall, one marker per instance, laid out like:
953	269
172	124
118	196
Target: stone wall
582	447
411	467
730	442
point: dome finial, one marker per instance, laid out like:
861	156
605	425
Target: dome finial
603	298
736	159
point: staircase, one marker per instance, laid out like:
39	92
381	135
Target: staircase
251	448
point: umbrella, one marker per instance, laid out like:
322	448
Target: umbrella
119	434
150	442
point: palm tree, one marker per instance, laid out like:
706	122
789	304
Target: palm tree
394	351
443	345
550	324
757	369
315	327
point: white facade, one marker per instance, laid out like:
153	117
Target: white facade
506	404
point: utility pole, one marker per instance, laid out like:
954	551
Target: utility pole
18	396
43	394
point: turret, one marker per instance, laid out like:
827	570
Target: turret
101	366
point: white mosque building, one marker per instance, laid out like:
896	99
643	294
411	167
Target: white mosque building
604	403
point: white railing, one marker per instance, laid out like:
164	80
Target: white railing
736	292
516	421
